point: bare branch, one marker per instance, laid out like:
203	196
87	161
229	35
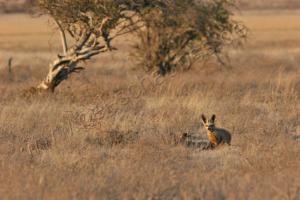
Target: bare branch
84	38
103	23
62	36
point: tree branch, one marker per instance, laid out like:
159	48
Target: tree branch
62	36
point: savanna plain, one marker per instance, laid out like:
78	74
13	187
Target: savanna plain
111	131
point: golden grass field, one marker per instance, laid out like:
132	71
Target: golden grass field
110	132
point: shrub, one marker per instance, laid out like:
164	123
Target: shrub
177	33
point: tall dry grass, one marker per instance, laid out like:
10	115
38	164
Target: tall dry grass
268	4
110	132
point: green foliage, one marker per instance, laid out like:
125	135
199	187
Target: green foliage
177	33
78	15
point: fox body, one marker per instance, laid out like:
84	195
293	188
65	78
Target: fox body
215	135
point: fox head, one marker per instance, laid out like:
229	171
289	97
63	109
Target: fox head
209	124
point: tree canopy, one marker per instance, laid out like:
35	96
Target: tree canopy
170	34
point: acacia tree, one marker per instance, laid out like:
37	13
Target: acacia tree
177	33
173	33
87	28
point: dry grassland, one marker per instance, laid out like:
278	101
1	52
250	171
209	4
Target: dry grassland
111	132
268	4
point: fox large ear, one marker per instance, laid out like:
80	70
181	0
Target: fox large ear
203	118
213	117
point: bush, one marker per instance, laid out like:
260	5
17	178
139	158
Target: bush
177	33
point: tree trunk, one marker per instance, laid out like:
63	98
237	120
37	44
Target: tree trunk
66	64
85	47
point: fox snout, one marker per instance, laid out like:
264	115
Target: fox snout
210	128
